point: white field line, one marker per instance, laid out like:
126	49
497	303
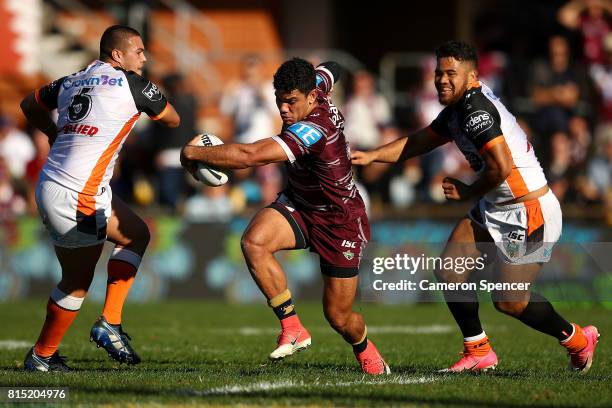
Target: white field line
194	348
429	329
284	384
14	344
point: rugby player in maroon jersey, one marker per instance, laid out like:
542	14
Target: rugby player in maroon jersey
320	209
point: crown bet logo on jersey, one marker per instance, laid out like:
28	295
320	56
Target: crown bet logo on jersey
477	122
91	81
152	92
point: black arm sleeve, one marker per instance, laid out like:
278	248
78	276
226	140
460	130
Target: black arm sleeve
479	119
47	95
147	96
328	73
440	124
334	68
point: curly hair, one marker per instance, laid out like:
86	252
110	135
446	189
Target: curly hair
295	73
458	50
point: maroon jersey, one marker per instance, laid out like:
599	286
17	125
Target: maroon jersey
319	167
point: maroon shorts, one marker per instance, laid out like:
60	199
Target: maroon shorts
340	247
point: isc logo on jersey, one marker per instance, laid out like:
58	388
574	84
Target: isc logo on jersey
477	122
308	134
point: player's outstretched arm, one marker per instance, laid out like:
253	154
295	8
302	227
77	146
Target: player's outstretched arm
170	117
421	142
233	155
498	165
38	117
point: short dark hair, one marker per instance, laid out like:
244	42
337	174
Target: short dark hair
458	50
297	74
113	37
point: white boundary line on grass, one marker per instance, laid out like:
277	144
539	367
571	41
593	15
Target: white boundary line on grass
283	384
429	329
11	344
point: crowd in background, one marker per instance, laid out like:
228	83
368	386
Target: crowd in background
563	101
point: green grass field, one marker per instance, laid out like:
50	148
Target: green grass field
215	354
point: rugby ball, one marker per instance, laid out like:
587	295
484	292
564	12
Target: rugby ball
205	174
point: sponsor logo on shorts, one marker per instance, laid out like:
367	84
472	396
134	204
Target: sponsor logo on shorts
348	244
512	248
517	235
477	122
348	255
515	240
152	92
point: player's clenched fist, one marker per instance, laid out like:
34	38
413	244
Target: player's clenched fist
455	190
362	158
188	164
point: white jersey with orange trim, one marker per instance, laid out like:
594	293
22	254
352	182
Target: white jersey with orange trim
477	122
97	108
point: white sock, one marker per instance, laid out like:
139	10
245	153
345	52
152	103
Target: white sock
65	301
570	336
474	338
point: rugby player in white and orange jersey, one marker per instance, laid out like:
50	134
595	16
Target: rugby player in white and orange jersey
515	210
97	108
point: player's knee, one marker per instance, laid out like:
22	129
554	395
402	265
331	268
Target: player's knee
137	235
338	319
440	274
448	275
510	308
140	236
254	244
445	275
76	286
144	235
248	245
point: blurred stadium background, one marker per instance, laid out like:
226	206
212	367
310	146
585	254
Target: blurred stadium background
550	61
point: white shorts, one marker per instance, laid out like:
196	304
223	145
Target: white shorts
523	233
65	214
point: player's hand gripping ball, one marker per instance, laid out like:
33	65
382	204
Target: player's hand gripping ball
205	174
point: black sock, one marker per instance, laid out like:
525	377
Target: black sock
464	308
360	347
284	310
540	315
282	305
